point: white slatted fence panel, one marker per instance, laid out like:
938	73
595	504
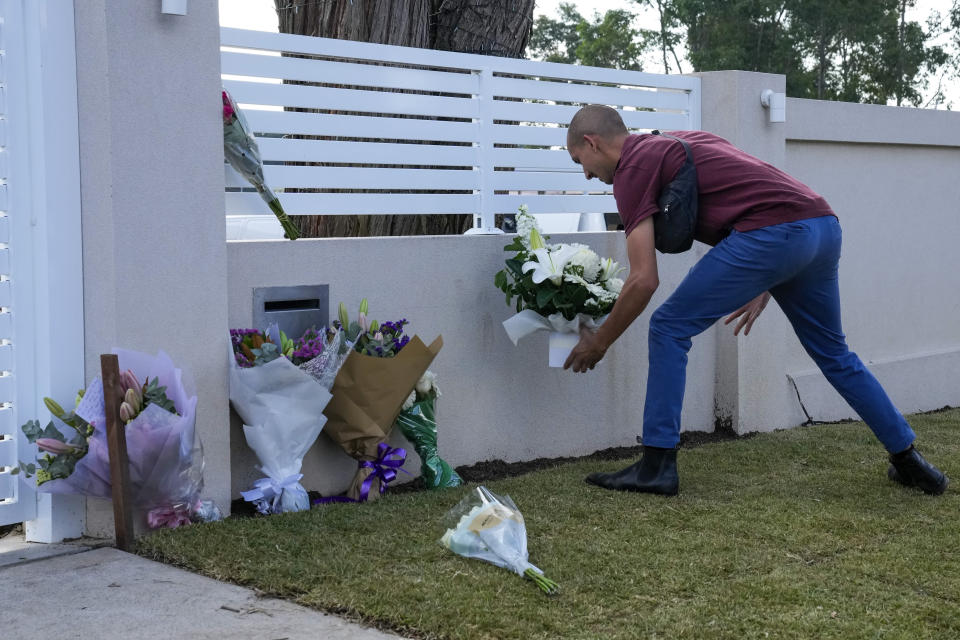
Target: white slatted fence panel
467	133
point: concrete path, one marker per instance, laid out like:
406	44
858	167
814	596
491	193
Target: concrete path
80	591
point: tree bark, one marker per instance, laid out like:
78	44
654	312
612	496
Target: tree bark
493	27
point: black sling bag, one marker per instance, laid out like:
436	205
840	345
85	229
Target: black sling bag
675	224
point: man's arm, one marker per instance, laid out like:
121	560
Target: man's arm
638	288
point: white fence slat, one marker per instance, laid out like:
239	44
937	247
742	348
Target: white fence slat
347	126
545	136
296	204
7	420
533	159
285	150
5	299
546	181
347	73
291	95
5	262
569	92
562	114
279	176
555	204
6	358
6	325
4	228
8	390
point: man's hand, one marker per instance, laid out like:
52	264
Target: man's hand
748	313
586	354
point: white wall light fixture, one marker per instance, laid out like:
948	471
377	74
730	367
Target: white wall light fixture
174	7
776	103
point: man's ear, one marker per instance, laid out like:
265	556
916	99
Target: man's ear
593	141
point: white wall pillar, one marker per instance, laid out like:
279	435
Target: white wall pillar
746	394
151	152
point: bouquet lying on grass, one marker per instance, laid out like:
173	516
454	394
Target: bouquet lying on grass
558	287
166	457
382	367
241	151
418	424
279	389
491	528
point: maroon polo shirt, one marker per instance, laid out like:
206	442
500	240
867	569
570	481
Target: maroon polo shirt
737	191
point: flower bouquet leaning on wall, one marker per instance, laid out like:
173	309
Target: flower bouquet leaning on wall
559	288
241	151
489	527
279	389
165	454
418	424
382	367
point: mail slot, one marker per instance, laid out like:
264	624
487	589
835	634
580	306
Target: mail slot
294	309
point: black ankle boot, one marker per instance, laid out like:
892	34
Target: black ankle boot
911	470
654	472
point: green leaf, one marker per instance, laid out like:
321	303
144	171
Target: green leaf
545	295
500	279
52	432
32	430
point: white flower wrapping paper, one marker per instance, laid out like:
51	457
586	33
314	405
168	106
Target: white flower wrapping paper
489	528
282	410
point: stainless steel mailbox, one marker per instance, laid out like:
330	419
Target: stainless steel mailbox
294	309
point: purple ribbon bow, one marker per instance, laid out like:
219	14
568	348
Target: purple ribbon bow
385	467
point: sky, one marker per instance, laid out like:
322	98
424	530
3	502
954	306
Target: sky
260	15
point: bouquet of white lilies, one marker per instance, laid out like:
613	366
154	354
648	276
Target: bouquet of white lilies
559	288
490	527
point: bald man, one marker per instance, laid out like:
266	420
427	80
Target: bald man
772	236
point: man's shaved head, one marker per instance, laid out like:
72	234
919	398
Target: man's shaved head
596	120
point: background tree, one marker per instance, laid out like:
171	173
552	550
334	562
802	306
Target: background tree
609	40
489	27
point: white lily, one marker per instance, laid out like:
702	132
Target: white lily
550	264
609	269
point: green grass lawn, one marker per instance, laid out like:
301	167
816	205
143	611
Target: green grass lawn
794	534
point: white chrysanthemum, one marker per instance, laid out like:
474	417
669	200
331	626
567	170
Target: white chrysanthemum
410	400
614	285
588	261
600	293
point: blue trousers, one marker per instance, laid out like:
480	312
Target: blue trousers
797	263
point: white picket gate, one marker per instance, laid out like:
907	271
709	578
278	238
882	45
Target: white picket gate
41	267
437	132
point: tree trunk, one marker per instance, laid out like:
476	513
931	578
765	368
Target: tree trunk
493	27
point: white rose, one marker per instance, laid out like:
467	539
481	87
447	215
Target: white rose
427	382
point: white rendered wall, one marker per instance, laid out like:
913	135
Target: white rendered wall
499	401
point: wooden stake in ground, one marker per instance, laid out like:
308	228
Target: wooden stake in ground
117	446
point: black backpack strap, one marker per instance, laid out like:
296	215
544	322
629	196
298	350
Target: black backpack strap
686	145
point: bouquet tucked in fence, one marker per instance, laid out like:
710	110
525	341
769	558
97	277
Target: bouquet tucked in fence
241	151
489	527
381	369
166	458
418	424
558	287
279	388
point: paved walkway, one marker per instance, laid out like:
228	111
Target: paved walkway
87	590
